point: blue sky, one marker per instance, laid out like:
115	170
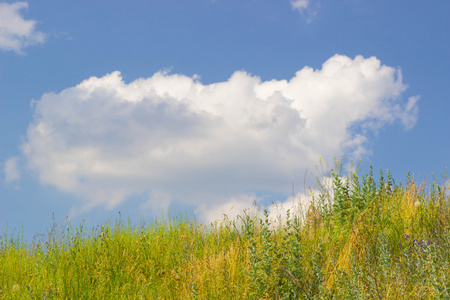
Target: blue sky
149	106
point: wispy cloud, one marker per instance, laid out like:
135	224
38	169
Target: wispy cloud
300	5
174	139
11	170
304	7
17	33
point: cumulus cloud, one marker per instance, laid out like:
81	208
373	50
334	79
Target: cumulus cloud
11	170
17	33
172	138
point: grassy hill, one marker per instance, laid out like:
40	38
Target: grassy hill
369	240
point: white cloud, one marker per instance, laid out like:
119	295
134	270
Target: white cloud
409	119
298	205
300	5
250	204
175	139
11	170
15	32
228	208
305	8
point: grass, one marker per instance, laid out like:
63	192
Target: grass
369	240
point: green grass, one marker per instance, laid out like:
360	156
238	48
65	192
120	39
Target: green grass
371	240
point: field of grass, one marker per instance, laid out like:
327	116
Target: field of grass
372	239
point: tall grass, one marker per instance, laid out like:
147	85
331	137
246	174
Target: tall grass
370	239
